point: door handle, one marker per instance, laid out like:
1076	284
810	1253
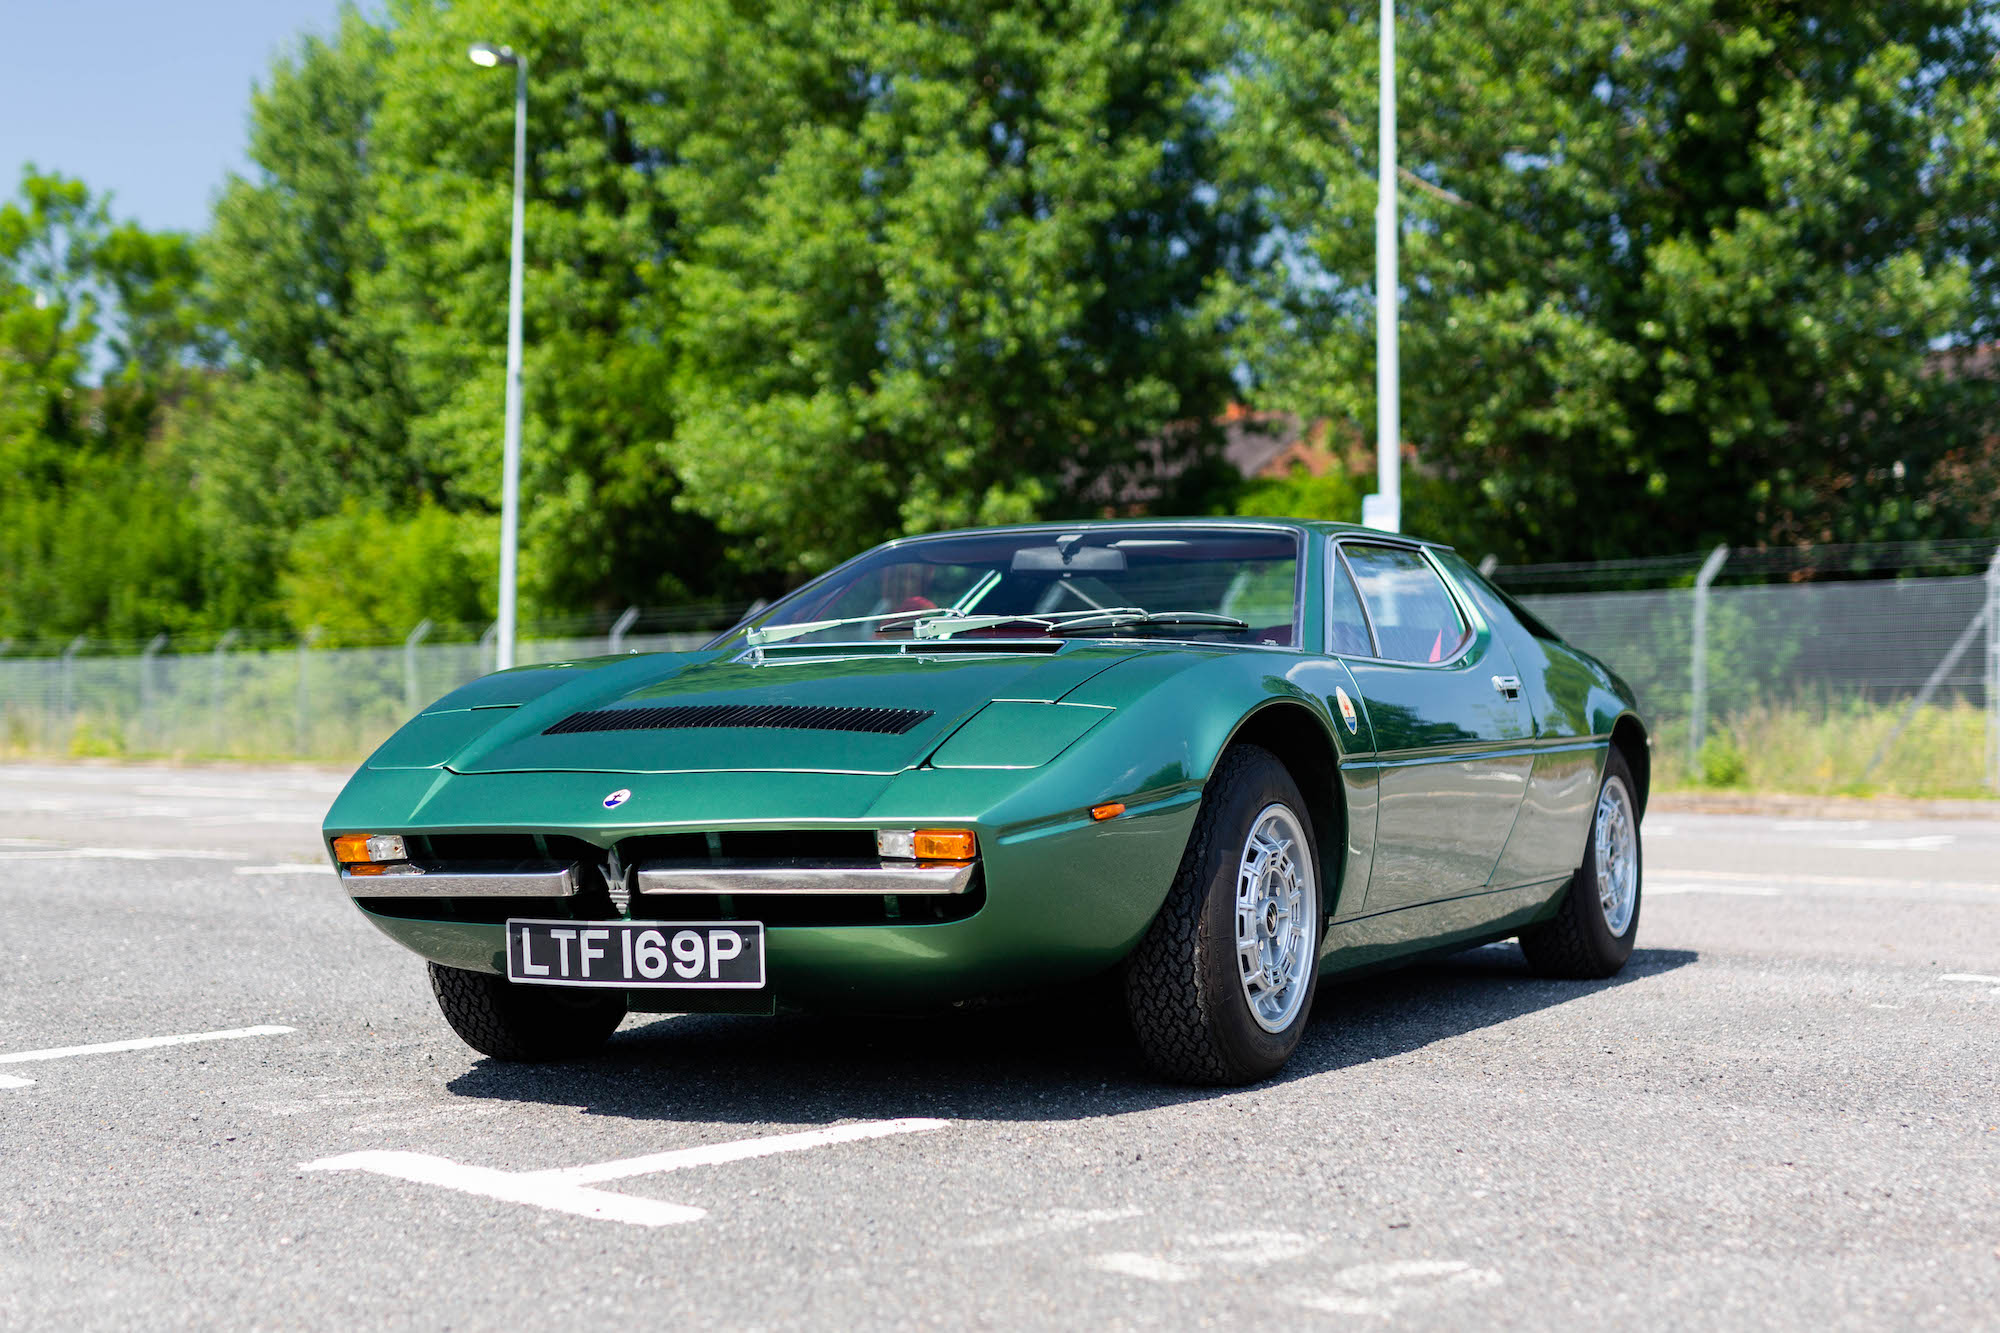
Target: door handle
1509	686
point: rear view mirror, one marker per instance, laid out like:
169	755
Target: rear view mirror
1067	560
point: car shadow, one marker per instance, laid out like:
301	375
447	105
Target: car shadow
1067	1056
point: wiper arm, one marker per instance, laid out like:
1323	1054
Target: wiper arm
1123	619
1048	622
757	638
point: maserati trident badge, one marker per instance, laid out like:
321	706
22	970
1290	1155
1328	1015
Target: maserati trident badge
1346	711
617	798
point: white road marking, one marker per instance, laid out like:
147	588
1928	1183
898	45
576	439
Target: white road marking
1930	842
1126	1263
513	1187
11	1081
1729	890
568	1189
1231	1251
288	868
139	1044
1679	875
57	853
1382	1289
1055	1222
1976	978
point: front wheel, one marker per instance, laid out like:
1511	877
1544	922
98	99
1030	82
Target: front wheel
496	1017
1592	933
1220	987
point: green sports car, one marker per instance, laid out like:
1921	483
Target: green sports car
1217	759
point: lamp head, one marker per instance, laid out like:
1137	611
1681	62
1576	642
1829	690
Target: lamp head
489	55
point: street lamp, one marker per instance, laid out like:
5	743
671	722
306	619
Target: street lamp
1384	509
489	55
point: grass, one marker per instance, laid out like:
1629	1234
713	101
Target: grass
1823	747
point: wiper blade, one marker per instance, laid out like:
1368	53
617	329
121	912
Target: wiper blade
1122	619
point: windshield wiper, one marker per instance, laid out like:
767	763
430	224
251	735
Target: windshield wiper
1132	619
757	638
1045	621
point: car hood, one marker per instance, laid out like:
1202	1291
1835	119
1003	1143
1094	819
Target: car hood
938	692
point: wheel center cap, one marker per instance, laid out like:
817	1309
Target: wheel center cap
1271	919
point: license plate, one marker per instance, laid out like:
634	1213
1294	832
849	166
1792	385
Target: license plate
637	955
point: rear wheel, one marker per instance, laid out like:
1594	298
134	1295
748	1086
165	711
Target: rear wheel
1221	986
1592	933
494	1016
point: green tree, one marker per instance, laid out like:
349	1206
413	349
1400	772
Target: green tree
1671	275
314	412
600	522
938	264
96	346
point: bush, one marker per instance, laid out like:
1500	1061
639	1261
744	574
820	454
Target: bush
1721	764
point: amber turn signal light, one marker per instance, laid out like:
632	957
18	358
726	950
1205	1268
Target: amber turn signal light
1109	810
944	844
352	848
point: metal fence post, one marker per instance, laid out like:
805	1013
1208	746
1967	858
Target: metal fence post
148	724
1698	705
69	677
1993	672
411	699
1487	564
305	699
217	661
623	623
486	649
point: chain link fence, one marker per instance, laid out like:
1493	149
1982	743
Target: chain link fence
297	702
1823	672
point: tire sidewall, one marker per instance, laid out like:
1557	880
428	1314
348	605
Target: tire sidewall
1243	1042
1612	949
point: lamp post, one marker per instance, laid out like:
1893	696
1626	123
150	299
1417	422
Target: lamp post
489	55
1384	509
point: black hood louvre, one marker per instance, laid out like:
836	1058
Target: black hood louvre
783	717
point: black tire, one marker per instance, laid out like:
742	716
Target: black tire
1577	943
495	1017
1183	989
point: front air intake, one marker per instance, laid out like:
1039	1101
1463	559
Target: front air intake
786	717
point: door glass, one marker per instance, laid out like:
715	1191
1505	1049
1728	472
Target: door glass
1347	628
1415	618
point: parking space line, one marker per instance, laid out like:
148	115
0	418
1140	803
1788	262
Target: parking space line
58	853
568	1189
139	1044
10	1081
288	868
715	1154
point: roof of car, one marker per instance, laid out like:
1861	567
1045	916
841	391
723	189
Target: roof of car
1317	525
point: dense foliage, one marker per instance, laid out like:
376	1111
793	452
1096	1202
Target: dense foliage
804	276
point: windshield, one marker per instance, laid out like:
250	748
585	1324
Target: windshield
1228	585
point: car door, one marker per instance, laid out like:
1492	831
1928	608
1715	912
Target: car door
1453	735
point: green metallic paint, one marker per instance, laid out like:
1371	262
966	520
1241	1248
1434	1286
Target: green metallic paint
1020	745
1012	734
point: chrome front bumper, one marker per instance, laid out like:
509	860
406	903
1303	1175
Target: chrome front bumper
805	878
668	877
420	882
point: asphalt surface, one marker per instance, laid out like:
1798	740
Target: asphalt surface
1784	1114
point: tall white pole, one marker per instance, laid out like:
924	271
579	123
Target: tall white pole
510	483
1384	509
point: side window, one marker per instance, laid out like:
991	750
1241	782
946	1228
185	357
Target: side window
1347	628
1415	618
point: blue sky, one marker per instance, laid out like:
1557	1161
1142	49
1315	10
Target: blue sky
146	98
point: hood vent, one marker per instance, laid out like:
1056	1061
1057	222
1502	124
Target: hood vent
785	717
